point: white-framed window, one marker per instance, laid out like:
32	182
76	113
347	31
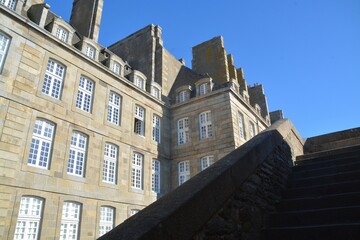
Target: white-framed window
155	176
184	171
41	142
53	81
137	170
139	122
183	131
85	94
77	155
139	82
9	3
206	162
205	125
134	211
114	108
116	68
70	220
4	47
90	51
183	96
204	89
156	128
241	125
29	218
62	34
110	160
251	129
106	219
155	92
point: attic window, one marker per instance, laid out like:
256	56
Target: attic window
62	34
139	82
116	68
90	51
9	3
204	89
155	92
183	96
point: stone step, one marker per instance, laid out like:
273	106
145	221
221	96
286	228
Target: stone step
314	165
321	190
340	215
344	166
319	202
319	232
325	179
328	154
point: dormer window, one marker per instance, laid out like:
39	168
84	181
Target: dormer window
183	96
203	86
116	68
155	92
204	89
9	3
257	109
183	93
138	78
62	34
139	82
90	51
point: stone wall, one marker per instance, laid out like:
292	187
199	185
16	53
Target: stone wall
329	141
243	216
22	102
227	200
210	57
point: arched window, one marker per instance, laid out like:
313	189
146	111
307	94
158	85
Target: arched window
155	176
77	155
139	122
85	94
184	171
107	217
110	161
137	171
205	125
29	218
9	3
41	144
183	131
206	162
71	215
54	77
4	47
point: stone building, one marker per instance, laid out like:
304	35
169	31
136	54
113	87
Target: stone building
89	135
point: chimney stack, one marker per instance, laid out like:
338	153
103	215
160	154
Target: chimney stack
86	17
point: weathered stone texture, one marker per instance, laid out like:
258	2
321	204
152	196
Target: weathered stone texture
243	216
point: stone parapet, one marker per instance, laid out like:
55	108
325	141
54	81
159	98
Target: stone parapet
213	202
341	139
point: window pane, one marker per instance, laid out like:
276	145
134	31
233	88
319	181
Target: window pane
4	46
85	93
137	171
155	176
41	144
53	79
77	155
106	220
29	218
70	221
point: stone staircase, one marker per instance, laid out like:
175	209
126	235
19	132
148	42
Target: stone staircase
322	200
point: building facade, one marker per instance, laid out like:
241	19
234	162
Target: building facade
90	135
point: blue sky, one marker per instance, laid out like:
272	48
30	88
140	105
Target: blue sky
306	53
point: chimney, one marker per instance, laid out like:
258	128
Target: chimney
86	17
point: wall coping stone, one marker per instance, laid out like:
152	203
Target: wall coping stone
340	139
183	212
